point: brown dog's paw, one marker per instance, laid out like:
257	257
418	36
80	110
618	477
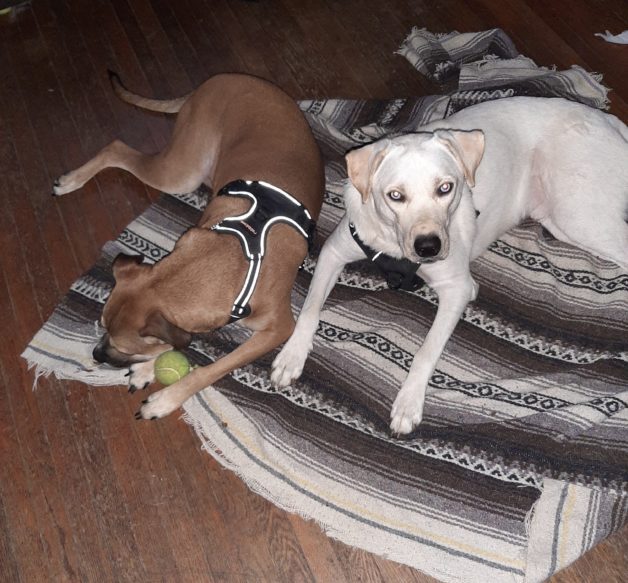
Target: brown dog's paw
56	184
66	183
141	374
58	187
159	404
139	417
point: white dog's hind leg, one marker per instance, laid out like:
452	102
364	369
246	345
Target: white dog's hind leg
407	410
339	249
606	237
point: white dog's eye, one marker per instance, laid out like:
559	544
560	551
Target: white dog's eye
445	188
395	195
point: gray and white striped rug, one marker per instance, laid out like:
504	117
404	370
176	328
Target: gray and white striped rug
521	462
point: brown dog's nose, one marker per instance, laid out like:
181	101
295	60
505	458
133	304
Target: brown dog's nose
99	354
428	246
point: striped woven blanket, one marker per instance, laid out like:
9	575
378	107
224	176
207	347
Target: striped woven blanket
520	464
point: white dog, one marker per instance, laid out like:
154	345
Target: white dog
416	196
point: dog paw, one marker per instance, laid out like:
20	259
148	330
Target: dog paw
288	365
64	184
58	187
407	411
141	374
159	404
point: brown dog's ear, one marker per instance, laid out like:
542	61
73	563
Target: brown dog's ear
158	326
124	264
362	164
467	147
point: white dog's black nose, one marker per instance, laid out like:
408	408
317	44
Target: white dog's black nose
427	246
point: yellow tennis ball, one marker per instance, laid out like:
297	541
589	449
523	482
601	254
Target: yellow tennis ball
171	367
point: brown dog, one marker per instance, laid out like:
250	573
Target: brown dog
233	130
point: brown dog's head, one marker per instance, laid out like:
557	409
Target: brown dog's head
137	329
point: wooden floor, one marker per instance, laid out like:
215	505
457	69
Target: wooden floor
86	492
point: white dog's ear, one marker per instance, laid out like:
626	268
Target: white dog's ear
362	164
467	147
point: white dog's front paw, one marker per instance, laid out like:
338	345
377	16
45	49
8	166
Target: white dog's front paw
159	404
289	363
141	374
407	410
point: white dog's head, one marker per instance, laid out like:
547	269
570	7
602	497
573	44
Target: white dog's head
411	185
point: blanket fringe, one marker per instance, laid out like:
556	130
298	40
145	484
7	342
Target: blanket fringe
43	366
419	48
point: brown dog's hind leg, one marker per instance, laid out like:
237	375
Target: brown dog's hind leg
115	155
167	400
158	171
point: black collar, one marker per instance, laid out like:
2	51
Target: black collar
399	273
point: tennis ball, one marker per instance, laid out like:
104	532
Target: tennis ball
171	367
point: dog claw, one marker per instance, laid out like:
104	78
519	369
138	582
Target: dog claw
138	416
132	389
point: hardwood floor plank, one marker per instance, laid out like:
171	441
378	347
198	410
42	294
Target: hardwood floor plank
386	75
227	29
178	81
535	38
183	48
112	514
319	551
41	493
252	16
93	542
30	205
9	570
200	478
578	26
19	511
249	512
171	501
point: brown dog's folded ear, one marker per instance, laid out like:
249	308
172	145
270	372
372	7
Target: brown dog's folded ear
158	326
124	264
362	164
467	147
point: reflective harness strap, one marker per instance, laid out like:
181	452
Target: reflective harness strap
270	205
399	273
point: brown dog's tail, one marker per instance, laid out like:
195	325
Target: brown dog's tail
161	105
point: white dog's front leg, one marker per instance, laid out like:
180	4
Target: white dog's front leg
339	249
407	410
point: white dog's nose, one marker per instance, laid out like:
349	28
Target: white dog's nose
427	246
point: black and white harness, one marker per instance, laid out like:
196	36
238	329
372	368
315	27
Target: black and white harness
270	205
399	273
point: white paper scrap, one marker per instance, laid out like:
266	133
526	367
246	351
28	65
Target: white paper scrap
620	39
